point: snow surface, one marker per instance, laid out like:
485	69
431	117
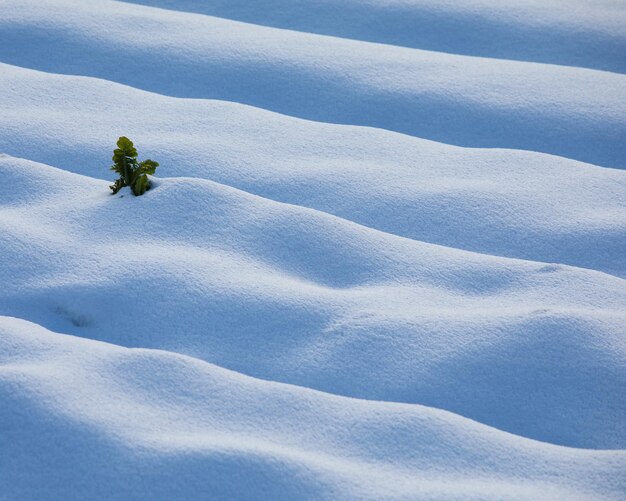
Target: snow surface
464	100
316	299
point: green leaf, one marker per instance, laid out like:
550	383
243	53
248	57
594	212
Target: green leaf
148	166
141	185
126	146
132	173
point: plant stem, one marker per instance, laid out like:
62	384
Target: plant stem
126	178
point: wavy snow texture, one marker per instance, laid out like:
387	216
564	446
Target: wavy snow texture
566	32
303	251
502	202
88	418
483	102
291	294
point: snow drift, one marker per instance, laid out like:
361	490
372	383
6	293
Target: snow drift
469	101
88	417
383	256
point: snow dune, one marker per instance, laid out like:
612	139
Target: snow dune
566	32
383	256
291	294
468	101
93	414
503	202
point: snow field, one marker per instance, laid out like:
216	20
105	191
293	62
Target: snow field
99	412
383	256
502	202
462	100
292	294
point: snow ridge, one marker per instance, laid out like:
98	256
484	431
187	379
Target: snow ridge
545	208
573	112
545	32
385	258
255	438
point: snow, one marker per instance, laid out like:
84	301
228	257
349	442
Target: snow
463	100
566	32
101	410
378	260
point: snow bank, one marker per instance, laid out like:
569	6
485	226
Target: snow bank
568	32
93	420
503	202
384	256
467	101
291	294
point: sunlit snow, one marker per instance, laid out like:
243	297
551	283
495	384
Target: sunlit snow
384	254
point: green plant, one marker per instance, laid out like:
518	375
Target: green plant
132	172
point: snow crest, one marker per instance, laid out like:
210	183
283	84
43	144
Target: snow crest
383	256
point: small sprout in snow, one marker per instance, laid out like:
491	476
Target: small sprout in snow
132	172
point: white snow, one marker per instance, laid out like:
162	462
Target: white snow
384	255
463	100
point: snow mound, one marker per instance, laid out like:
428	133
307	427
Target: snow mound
503	202
286	293
89	419
568	32
383	256
468	101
